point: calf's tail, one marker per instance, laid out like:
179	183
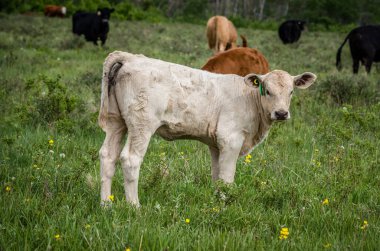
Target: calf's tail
338	63
111	67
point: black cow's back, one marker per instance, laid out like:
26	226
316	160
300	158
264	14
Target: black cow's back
365	41
83	22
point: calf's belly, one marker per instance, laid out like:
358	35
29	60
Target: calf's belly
175	131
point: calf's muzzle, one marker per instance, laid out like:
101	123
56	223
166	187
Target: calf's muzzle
281	115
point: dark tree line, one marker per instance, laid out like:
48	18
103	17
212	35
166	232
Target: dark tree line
317	11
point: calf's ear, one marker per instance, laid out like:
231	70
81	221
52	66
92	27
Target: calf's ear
304	80
253	80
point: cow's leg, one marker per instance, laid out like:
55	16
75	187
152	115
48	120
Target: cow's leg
103	38
131	159
222	47
109	153
368	65
228	155
355	66
214	163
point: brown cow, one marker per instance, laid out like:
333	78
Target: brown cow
55	11
220	31
240	61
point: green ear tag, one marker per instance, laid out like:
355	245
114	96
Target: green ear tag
262	89
261	86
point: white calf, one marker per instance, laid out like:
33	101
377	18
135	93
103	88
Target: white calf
229	113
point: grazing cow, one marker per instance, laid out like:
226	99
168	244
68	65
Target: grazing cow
241	61
93	26
54	11
144	96
364	45
220	32
290	31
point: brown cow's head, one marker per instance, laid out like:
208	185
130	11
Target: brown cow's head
276	89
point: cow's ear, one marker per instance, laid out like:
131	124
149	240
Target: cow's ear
304	80
253	80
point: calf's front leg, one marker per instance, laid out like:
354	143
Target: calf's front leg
228	155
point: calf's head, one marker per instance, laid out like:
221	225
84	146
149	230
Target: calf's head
302	25
276	89
105	14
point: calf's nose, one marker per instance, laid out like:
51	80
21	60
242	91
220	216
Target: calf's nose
281	114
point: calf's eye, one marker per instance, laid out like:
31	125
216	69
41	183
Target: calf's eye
268	93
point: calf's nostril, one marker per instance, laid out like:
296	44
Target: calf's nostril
281	114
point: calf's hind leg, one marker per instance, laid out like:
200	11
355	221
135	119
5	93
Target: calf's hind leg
109	153
131	159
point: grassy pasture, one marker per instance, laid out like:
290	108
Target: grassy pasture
49	197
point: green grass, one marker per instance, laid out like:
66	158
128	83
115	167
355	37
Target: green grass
51	88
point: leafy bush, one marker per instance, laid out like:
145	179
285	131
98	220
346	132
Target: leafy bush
52	99
350	89
49	101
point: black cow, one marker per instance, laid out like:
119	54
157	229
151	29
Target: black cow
364	45
290	31
93	26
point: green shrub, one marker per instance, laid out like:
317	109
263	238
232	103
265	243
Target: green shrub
129	11
49	100
350	89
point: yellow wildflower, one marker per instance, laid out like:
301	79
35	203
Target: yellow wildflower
8	188
284	233
111	197
57	237
327	245
51	142
248	158
215	210
325	202
365	225
187	220
127	249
